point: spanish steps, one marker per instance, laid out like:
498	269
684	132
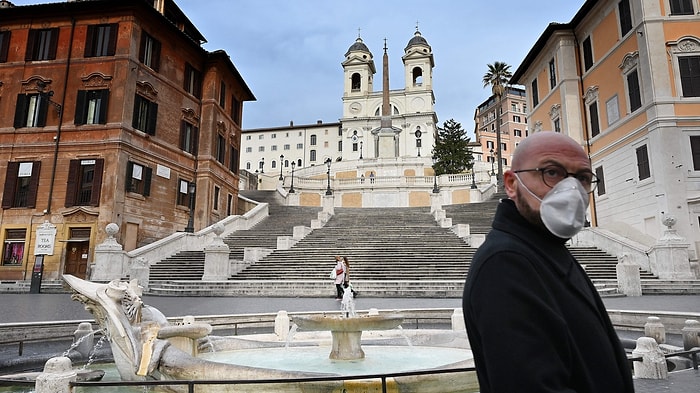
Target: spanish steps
399	252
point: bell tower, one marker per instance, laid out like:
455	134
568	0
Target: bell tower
418	64
359	70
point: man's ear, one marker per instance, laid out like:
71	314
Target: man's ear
509	184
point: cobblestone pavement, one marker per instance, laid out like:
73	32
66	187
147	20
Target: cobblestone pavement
59	307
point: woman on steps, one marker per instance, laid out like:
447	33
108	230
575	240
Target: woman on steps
339	277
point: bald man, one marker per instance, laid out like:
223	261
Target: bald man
535	321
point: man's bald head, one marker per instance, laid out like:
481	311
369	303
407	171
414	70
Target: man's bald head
541	143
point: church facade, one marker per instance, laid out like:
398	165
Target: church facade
399	123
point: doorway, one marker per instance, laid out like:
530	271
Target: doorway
77	252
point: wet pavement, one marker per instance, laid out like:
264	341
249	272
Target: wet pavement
59	307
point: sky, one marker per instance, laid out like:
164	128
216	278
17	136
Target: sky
289	52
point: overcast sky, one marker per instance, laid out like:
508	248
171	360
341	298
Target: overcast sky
289	51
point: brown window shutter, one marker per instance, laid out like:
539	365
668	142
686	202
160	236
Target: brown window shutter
33	184
8	195
97	182
72	184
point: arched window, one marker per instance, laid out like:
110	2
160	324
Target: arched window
356	81
312	155
417	76
313	140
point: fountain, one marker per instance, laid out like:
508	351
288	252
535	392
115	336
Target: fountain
146	346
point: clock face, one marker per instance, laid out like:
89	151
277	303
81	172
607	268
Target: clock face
355	107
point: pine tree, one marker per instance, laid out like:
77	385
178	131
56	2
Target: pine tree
451	151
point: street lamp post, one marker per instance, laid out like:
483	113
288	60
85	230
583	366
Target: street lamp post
291	188
328	175
435	186
190	223
281	160
492	160
473	176
360	150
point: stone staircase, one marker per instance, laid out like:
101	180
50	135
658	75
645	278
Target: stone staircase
392	251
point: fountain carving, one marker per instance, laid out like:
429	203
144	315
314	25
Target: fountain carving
146	346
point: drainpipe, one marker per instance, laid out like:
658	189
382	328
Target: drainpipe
586	131
61	108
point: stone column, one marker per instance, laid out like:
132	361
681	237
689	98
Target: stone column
328	204
691	334
655	329
629	281
653	364
57	376
669	257
109	257
282	325
216	257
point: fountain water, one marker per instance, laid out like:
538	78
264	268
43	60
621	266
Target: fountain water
145	346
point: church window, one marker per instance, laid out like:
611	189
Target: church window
417	76
356	82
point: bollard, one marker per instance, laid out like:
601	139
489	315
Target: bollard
653	364
57	375
691	334
282	325
84	339
655	329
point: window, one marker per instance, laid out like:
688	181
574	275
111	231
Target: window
535	93
229	204
635	95
516	118
13	249
91	107
287	147
138	178
643	162
235	110
248	149
503	147
84	182
587	54
312	155
300	146
233	160
273	136
222	94
217	192
193	81
517	132
31	110
21	184
101	40
600	186
273	148
695	151
313	140
489	145
248	137
145	115
273	164
189	137
681	7
41	44
183	193
220	149
4	45
261	136
355	146
261	149
552	74
625	15
689	67
340	145
149	53
355	82
593	117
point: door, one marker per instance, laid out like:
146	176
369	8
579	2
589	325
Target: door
77	258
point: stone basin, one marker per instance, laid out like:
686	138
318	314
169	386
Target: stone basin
347	331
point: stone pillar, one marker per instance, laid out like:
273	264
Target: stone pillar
282	325
57	376
458	323
655	329
285	242
216	257
300	232
653	364
669	257
140	270
84	339
328	204
435	203
109	257
629	281
691	334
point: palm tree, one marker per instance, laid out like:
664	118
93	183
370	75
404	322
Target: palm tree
497	77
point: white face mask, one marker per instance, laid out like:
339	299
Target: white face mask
563	208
